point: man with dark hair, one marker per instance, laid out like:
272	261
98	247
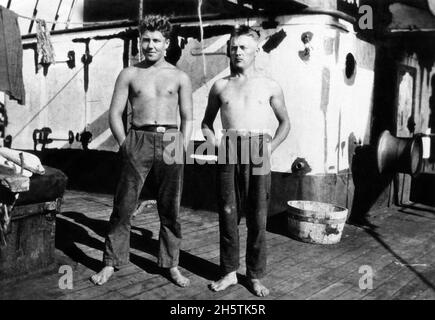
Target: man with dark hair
245	99
156	23
157	91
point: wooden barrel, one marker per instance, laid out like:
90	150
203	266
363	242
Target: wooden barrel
316	222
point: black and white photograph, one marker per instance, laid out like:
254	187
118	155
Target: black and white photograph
217	156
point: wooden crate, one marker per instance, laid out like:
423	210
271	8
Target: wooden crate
30	240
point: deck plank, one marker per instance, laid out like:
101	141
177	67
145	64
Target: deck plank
416	286
409	247
282	271
296	270
384	269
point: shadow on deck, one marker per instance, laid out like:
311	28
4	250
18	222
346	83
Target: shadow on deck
399	248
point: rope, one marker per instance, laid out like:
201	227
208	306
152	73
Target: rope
68	20
100	23
204	65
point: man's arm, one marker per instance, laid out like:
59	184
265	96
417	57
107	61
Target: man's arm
278	105
211	111
186	108
117	106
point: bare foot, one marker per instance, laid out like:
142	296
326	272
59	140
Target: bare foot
178	278
259	289
229	279
103	276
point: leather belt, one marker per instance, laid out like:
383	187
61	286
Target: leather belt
154	127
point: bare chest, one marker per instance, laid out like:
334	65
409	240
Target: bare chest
244	97
147	85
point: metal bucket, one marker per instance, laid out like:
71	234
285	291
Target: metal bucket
316	222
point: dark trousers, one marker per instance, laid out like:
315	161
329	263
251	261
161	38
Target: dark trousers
141	152
243	189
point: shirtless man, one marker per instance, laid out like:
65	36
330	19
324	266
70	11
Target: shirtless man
245	98
155	89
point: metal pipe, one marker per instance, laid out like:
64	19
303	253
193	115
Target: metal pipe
331	12
134	23
117	24
187	19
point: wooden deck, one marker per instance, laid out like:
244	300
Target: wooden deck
400	251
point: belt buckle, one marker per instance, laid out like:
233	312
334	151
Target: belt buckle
160	129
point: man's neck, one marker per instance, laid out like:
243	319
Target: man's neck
244	73
154	64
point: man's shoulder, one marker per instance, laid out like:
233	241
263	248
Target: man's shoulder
269	82
178	72
129	71
126	75
175	72
221	83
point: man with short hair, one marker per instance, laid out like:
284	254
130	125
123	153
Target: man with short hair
156	90
245	99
